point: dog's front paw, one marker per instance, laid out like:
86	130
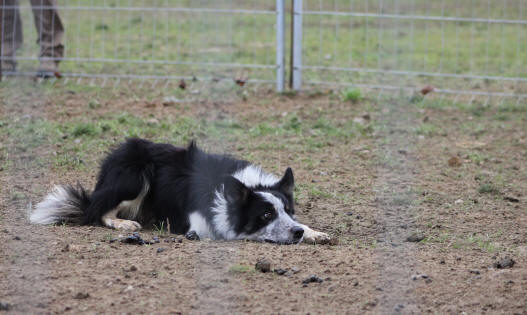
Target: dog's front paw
125	225
192	236
314	237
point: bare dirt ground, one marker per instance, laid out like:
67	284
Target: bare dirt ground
389	181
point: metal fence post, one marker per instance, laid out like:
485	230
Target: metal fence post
297	45
280	45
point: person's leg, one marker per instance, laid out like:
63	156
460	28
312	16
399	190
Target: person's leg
50	33
11	34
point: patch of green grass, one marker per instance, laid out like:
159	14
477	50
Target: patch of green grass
477	157
239	268
488	188
485	245
478	110
352	95
294	124
513	107
426	129
94	104
161	228
68	160
85	129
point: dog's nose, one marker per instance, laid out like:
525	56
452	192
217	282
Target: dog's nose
297	232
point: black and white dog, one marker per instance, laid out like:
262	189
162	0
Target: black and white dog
188	190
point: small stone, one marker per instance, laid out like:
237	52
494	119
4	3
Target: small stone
81	296
295	270
160	250
155	240
263	265
312	278
17	238
416	237
506	262
280	271
398	307
349	213
459	201
133	268
128	288
476	272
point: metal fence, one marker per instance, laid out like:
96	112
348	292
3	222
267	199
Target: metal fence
151	40
475	48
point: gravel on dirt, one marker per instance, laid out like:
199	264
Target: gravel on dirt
135	238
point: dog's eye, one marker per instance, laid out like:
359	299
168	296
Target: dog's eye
268	215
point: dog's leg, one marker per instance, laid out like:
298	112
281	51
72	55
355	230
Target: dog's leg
314	237
110	220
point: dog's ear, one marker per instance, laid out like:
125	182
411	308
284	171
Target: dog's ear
235	192
287	183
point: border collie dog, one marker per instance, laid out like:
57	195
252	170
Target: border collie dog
189	191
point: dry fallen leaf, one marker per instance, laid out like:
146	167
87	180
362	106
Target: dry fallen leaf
455	161
182	85
240	82
427	89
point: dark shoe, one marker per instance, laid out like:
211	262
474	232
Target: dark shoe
45	74
48	69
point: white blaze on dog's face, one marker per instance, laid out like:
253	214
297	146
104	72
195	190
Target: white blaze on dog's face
263	213
281	227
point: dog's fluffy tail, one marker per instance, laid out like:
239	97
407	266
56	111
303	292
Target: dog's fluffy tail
63	204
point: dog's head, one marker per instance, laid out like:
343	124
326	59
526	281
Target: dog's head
263	213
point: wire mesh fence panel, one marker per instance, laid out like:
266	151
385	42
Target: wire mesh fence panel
467	47
148	39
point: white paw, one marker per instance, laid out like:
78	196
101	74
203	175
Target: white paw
124	225
314	237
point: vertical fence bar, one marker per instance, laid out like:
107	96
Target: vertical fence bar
297	45
280	45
